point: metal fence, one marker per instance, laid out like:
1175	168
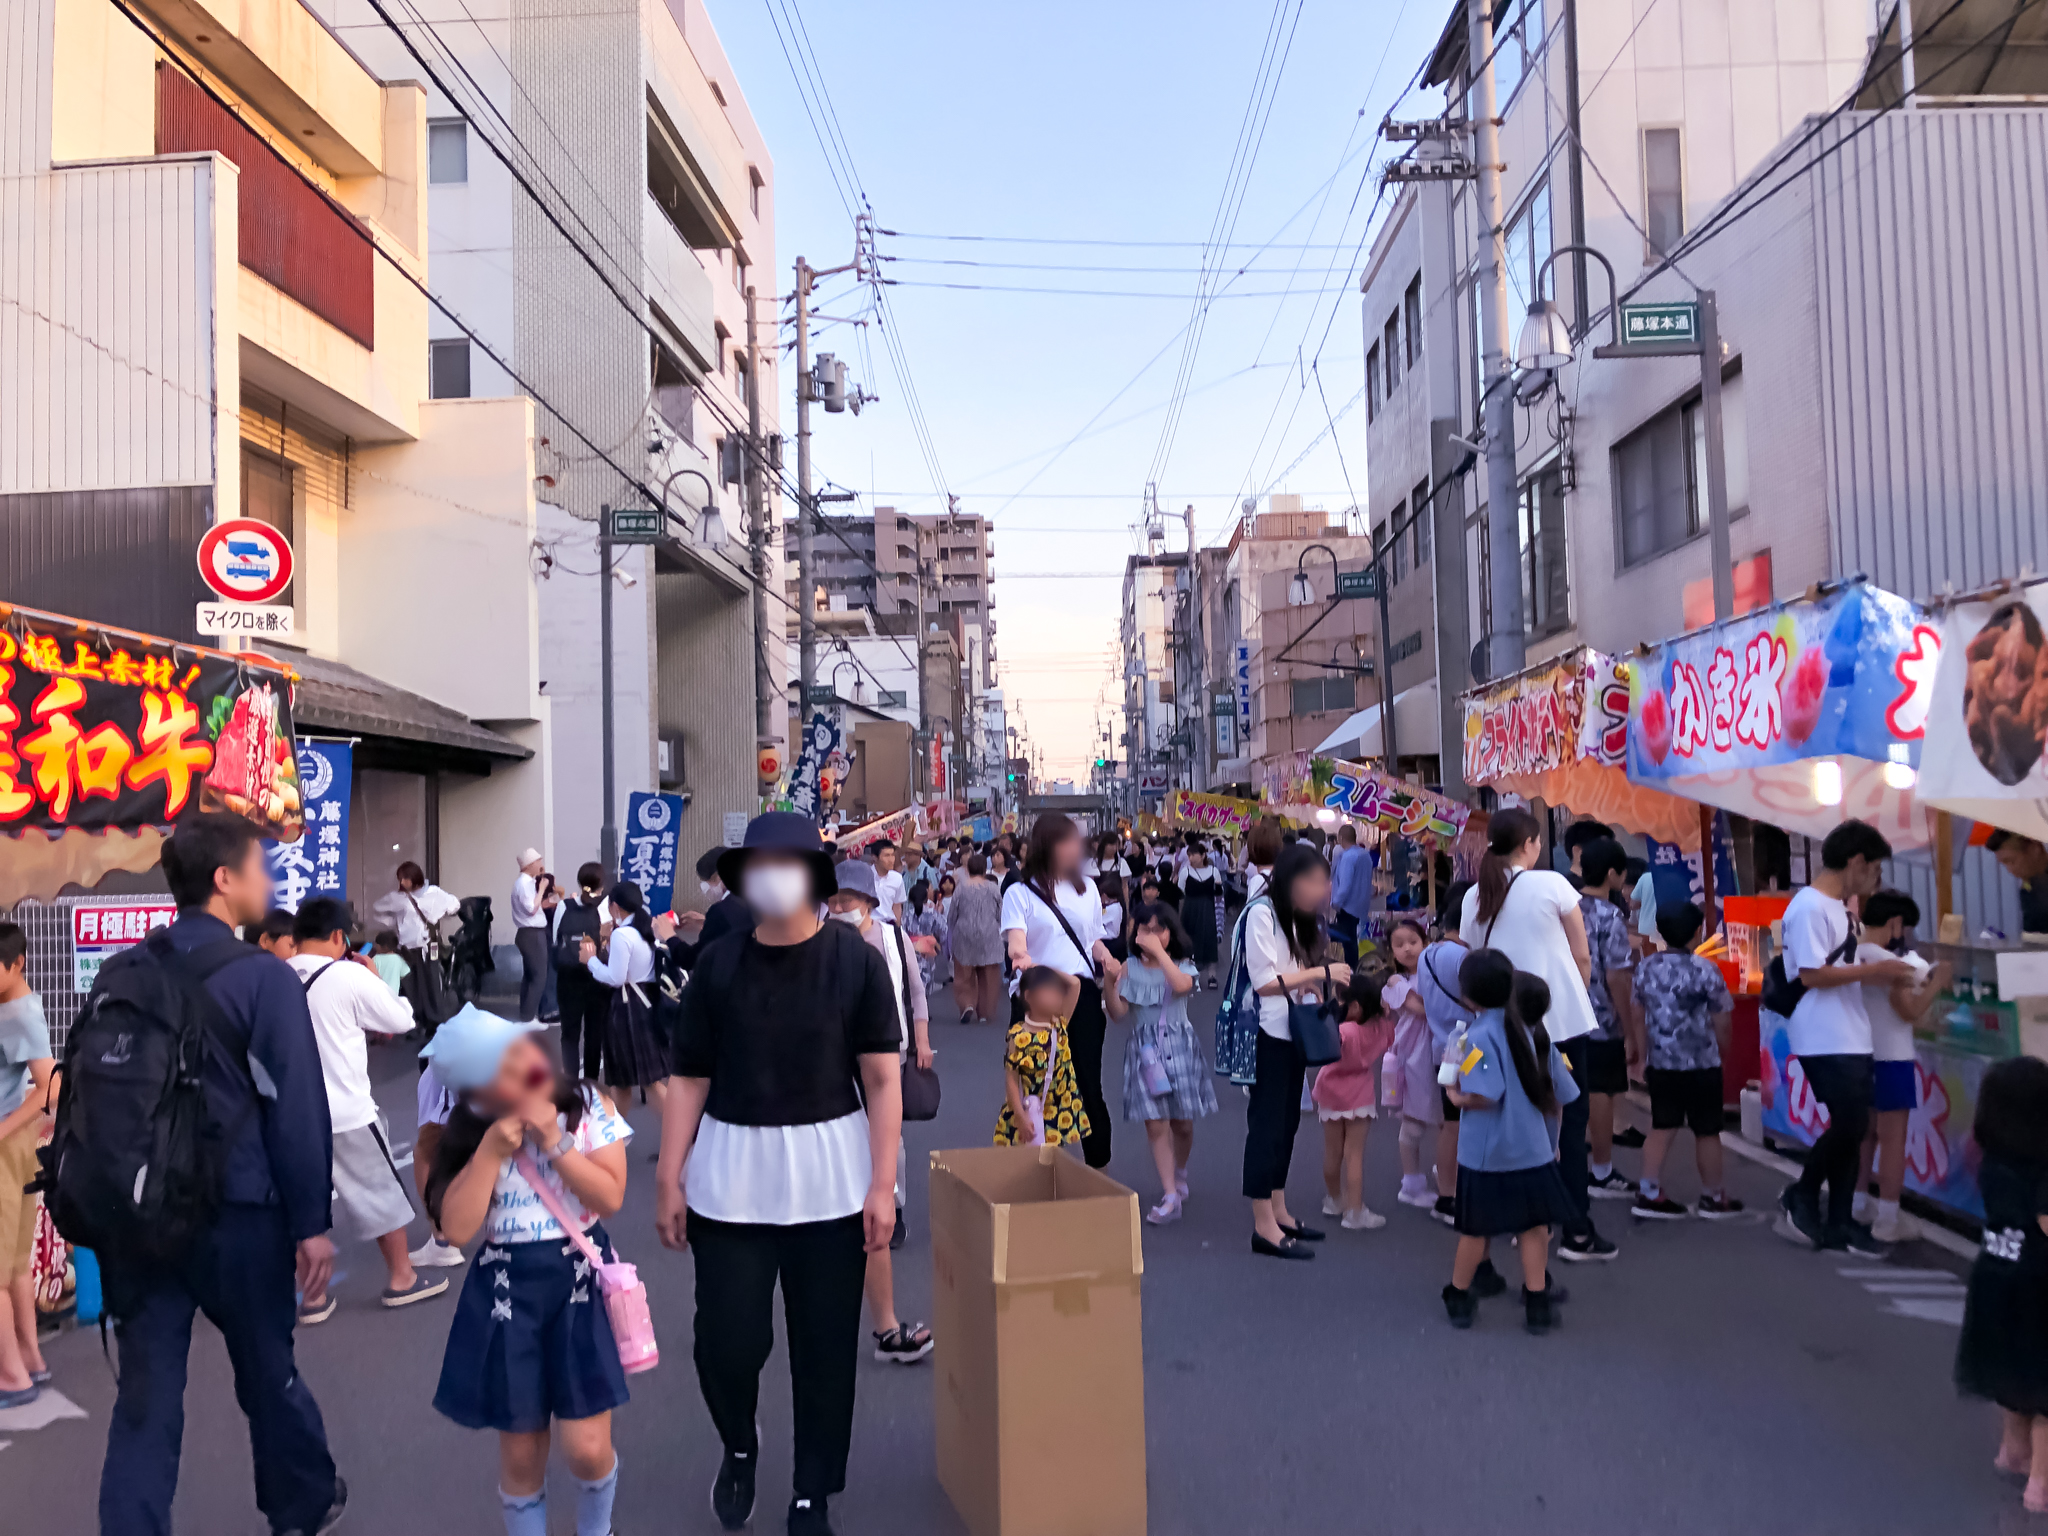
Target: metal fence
52	962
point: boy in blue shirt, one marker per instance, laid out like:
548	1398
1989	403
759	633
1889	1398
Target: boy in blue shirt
1686	1009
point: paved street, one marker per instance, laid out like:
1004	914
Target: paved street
1713	1379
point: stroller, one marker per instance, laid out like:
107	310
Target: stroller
469	956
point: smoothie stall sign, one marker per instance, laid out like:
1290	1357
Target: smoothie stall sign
1802	714
1393	804
104	729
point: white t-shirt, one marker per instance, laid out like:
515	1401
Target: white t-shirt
1255	880
527	911
1112	921
1266	959
1093	868
894	894
516	1214
1044	939
403	910
1829	1021
1891	1037
1529	930
347	1000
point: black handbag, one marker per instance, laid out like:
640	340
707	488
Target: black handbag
920	1092
1314	1027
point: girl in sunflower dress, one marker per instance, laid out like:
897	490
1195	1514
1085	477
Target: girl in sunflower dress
1039	1039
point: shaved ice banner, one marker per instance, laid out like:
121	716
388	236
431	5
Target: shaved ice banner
1801	714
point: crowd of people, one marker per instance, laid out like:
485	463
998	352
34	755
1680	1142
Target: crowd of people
776	1033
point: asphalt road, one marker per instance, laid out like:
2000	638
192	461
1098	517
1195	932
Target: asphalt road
1714	1379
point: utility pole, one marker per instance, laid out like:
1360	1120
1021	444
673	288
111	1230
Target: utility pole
1504	645
1717	460
608	835
757	523
806	601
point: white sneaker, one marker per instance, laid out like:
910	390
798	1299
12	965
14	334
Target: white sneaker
1331	1207
1364	1219
1862	1208
1425	1198
435	1254
1896	1229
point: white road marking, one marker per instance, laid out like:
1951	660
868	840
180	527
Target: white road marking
1895	1272
1950	1312
1913	1288
48	1408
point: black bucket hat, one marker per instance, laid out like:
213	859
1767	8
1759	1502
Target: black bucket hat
782	832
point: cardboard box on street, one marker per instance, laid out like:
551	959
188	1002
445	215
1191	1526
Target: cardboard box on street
1040	1397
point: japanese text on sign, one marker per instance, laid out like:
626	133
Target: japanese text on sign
97	932
313	866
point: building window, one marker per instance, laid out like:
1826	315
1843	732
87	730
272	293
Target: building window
754	190
1528	247
1663	188
1660	476
717	92
1517	40
1390	343
1411	317
1372	382
1546	591
739	271
448	151
448	369
1425	514
1320	695
1396	532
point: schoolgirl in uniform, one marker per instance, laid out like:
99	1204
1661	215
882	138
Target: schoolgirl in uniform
531	1352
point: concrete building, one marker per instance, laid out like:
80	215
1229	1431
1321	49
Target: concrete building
1876	308
214	246
1157	594
606	261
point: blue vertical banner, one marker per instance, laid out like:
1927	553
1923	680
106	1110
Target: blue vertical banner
653	825
1677	874
822	739
316	864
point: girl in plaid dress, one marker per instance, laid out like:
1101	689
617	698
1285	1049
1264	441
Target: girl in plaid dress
1166	1080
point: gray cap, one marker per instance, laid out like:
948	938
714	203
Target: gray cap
857	877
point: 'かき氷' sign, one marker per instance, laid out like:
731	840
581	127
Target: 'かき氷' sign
1847	675
102	728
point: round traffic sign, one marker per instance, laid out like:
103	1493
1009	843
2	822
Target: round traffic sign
245	561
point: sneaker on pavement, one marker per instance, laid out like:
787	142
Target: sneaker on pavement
1445	1209
1165	1212
1586	1248
1856	1239
1613	1187
1629	1136
732	1491
422	1287
1331	1207
311	1312
1422	1198
1798	1221
1658	1208
1364	1219
435	1254
1863	1207
807	1517
1899	1228
1712	1209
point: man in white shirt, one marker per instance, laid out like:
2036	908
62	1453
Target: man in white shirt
346	998
534	899
890	890
1830	1036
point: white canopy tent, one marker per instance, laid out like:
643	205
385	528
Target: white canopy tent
1416	731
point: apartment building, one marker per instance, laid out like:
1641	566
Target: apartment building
214	255
1158	597
601	205
1863	213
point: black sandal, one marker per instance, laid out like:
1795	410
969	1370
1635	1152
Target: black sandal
905	1344
1286	1248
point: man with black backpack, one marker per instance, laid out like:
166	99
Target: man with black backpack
192	1154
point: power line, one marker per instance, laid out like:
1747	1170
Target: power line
1174	245
1109	293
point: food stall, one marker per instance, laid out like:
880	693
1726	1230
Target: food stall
107	739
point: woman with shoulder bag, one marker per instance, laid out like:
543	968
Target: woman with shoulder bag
1053	916
1283	940
585	1002
635	1056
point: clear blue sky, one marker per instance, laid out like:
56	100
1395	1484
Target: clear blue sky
1070	122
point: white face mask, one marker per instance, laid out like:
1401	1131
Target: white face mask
853	917
777	890
710	887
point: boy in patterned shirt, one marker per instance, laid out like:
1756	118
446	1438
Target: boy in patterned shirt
1603	866
1686	1009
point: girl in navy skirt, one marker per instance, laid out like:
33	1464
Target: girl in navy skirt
1511	1086
531	1344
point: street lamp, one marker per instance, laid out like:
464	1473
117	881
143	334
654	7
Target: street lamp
710	525
1546	340
1301	593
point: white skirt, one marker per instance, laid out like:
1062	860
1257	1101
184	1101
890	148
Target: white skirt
1363	1112
780	1175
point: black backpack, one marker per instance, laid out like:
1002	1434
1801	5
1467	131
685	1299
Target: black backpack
138	1159
1783	989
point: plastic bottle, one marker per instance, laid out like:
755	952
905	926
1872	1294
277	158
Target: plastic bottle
1390	1081
1447	1073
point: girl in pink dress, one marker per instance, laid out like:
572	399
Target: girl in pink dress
1347	1101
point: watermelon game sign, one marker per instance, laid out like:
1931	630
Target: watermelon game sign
1847	676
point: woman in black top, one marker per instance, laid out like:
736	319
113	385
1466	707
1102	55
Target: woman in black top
781	1038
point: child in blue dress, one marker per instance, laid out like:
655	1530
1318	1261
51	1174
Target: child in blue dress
1172	1090
1511	1087
531	1342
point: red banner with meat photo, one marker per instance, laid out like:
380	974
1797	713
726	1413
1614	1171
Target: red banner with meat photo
103	728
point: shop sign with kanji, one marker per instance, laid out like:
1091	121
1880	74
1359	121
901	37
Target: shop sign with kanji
1393	804
103	728
1848	674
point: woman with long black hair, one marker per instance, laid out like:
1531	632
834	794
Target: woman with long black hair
1532	916
1053	916
634	1054
1284	945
